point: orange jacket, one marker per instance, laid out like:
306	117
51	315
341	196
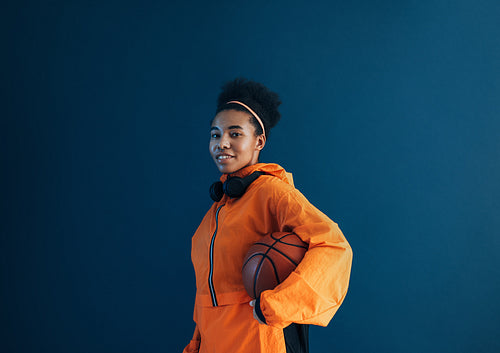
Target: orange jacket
310	295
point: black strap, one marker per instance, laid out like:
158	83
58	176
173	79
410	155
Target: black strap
296	338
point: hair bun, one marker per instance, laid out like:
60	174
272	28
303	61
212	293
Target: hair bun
254	94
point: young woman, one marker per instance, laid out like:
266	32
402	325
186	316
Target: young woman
252	200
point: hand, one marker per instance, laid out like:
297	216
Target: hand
252	304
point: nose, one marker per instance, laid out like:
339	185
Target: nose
224	142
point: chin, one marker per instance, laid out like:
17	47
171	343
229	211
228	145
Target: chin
222	168
226	169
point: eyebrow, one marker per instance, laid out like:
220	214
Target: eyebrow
229	127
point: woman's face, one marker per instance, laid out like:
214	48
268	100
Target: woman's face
233	144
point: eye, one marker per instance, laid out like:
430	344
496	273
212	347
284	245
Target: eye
214	135
235	134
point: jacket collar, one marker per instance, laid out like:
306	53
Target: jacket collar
268	168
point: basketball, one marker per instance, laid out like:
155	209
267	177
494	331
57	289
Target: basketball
270	261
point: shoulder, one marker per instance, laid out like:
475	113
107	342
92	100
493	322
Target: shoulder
274	185
282	192
273	190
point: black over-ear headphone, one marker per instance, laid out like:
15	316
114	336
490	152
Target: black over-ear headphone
233	186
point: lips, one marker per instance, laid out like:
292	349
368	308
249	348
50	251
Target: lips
222	157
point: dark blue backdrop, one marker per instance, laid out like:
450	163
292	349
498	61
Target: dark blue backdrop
390	126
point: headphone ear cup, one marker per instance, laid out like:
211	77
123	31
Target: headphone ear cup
216	191
234	187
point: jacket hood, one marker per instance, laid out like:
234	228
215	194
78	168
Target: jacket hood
268	168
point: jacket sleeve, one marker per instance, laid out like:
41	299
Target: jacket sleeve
315	289
194	344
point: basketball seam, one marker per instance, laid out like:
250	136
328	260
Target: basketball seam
259	267
279	251
266	256
278	240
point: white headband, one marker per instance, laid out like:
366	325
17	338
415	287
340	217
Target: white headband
253	113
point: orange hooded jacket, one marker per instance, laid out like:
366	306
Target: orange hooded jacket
310	295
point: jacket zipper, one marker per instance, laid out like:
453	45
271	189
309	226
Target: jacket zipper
211	273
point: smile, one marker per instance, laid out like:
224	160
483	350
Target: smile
223	157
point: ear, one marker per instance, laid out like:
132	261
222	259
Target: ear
261	142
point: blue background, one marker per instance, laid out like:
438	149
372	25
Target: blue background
390	126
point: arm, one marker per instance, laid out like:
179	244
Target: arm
315	289
194	344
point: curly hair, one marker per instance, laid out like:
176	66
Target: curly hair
257	96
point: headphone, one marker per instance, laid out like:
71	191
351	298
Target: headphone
233	186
